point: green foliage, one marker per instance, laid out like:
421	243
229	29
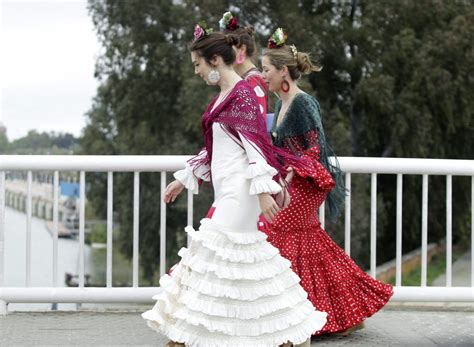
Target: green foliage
396	82
98	234
40	143
4	145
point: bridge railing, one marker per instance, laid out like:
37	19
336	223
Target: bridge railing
164	164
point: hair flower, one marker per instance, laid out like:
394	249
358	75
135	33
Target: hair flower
201	30
277	39
228	21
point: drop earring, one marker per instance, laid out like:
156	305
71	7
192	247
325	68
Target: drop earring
285	86
213	76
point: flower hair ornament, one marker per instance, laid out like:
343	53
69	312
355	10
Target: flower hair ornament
277	39
228	22
201	30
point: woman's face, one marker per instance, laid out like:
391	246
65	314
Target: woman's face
272	75
201	67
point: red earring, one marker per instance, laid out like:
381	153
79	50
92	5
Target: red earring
285	86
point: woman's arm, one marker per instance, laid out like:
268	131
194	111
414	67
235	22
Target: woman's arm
261	175
194	172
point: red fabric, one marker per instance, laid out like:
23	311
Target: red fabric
239	116
210	213
334	283
314	170
260	88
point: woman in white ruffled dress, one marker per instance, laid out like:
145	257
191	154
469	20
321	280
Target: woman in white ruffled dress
231	287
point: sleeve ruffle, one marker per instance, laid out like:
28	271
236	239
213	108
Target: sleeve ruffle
315	170
262	184
187	178
198	168
261	176
260	169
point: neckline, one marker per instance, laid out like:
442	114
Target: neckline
212	109
252	71
277	126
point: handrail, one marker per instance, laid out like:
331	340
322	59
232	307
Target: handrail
155	163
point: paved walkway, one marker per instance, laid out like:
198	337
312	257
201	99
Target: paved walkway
461	273
393	326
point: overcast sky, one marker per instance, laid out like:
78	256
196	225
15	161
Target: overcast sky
48	51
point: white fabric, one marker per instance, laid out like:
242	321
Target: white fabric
231	287
189	176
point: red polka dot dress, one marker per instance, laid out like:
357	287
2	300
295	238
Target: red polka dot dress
255	79
334	283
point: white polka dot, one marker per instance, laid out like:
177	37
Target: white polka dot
259	92
261	108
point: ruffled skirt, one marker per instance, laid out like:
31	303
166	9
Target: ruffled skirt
333	281
232	288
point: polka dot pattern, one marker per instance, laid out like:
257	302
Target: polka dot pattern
334	283
255	79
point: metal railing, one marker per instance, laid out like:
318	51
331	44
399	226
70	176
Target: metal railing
164	164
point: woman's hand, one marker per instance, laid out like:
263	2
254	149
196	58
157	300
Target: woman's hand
268	206
172	191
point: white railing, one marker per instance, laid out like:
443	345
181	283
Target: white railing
164	164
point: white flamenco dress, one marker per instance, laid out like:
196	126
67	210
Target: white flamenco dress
231	287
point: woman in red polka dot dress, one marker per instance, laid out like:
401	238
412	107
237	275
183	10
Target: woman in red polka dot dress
334	283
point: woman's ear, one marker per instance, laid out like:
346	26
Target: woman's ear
284	71
214	61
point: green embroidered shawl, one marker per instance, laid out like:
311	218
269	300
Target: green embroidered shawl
303	116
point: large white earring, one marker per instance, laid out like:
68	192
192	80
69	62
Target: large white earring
213	76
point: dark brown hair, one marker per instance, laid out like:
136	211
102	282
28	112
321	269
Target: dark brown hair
297	66
216	43
246	36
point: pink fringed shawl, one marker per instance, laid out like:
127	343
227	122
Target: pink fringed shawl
238	114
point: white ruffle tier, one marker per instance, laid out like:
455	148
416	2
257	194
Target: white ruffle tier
232	289
261	176
187	178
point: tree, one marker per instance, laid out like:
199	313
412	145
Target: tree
395	82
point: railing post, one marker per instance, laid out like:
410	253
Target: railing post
110	211
163	225
55	227
136	219
449	233
373	225
424	231
82	217
398	268
347	217
28	228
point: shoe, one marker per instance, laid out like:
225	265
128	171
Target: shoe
175	344
351	329
307	343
